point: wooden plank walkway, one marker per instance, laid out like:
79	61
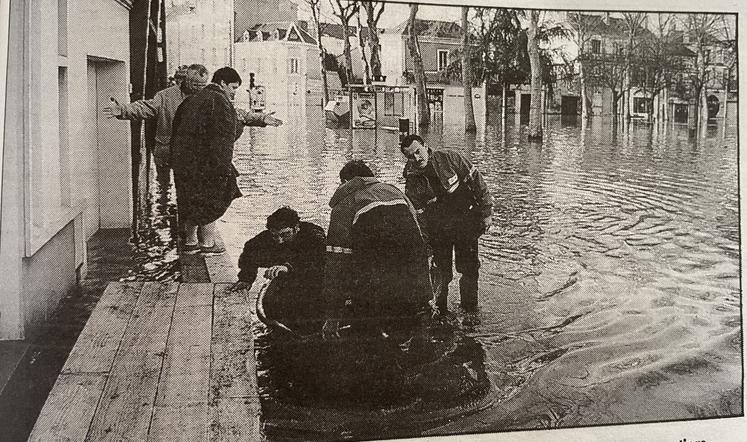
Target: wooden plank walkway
160	362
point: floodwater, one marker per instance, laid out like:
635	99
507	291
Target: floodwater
609	287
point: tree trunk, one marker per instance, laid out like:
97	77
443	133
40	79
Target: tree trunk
362	45
424	117
325	85
348	56
584	104
535	108
504	100
469	111
373	36
703	105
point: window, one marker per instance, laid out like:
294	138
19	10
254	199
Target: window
443	59
596	47
293	64
203	31
243	64
202	55
215	57
394	103
641	105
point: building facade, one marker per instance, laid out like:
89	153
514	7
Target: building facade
284	60
66	170
200	31
438	42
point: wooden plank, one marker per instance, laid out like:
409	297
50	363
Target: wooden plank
233	372
181	410
221	269
194	294
235	420
186	371
126	406
177	422
69	408
97	344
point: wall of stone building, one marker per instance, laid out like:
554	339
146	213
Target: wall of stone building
66	167
429	52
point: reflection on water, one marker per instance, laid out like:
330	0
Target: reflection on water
154	238
610	286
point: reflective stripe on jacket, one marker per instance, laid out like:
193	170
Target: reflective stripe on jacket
453	170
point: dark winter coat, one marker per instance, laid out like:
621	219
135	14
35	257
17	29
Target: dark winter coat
377	265
205	128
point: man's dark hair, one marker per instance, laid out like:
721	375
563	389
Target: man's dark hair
353	169
227	75
282	218
407	141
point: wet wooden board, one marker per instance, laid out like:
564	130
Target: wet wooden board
234	402
181	405
182	368
234	420
69	408
125	409
102	335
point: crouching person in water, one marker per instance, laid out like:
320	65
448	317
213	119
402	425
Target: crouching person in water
292	250
376	274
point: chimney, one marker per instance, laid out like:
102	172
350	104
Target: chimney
606	18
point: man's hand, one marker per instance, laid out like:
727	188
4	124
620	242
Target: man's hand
485	224
240	285
274	271
331	329
270	120
113	111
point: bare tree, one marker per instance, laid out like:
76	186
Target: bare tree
469	111
729	48
373	14
700	29
362	46
424	117
634	22
315	5
609	72
345	10
535	108
583	29
662	61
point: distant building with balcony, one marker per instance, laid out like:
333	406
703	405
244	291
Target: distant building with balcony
604	58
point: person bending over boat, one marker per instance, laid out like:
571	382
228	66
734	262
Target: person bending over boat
289	247
376	274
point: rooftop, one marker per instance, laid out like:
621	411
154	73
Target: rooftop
430	28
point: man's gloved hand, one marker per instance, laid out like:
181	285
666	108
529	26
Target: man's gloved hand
275	271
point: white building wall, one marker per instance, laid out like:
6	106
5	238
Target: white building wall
66	169
202	36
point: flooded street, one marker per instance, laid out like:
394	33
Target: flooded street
609	287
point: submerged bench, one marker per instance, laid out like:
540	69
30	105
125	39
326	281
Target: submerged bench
161	362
